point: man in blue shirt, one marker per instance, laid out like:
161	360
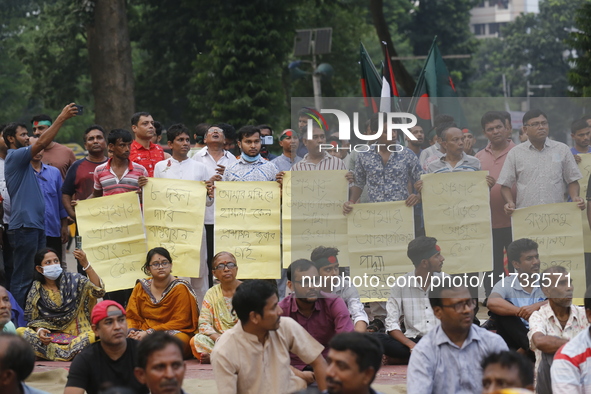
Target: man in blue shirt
56	217
26	230
514	299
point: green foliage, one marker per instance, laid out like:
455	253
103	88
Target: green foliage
580	40
449	21
532	48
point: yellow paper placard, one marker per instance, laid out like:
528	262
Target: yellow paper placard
585	167
456	207
379	234
557	230
313	214
173	215
113	238
247	224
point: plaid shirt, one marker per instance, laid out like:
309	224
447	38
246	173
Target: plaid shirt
146	157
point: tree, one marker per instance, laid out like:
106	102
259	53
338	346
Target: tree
580	40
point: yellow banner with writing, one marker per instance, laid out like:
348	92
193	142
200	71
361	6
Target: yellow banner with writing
313	214
379	234
456	207
247	224
113	238
173	216
585	167
557	230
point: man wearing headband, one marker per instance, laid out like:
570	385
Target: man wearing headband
55	155
288	140
325	260
109	362
26	232
411	301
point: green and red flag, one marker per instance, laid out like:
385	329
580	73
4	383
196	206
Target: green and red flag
371	81
389	95
435	92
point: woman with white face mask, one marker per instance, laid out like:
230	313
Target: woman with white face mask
58	307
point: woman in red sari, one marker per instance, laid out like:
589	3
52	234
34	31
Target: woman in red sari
163	302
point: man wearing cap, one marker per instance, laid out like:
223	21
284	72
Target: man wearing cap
109	362
411	301
288	140
325	260
469	141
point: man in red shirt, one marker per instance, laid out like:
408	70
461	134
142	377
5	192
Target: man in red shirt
143	150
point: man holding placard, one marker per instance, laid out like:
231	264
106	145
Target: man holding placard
251	166
544	170
179	166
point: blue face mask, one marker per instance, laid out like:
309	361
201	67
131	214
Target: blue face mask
52	271
250	159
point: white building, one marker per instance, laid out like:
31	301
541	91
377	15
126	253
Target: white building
489	15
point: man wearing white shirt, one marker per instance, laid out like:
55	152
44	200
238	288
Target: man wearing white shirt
179	166
411	300
216	159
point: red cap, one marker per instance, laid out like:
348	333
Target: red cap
99	312
466	131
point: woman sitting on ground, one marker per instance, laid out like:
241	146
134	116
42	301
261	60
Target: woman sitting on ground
162	302
58	307
216	311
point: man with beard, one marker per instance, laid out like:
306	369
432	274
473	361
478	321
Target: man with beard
253	356
323	315
555	323
160	364
411	302
56	155
26	232
447	359
109	362
415	145
251	166
513	300
580	131
354	360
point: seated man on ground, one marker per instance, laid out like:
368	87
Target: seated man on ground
6	312
17	360
571	369
506	370
513	300
160	364
354	360
217	315
411	302
253	357
447	359
163	302
325	260
322	315
554	324
109	362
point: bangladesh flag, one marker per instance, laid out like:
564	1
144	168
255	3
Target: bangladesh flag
435	87
371	81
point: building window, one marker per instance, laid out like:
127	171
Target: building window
481	4
495	28
503	4
479	29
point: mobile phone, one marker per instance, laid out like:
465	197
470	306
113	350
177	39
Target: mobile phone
267	140
80	109
78	242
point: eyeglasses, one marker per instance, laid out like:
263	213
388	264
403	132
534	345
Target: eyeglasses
223	266
459	306
162	264
536	125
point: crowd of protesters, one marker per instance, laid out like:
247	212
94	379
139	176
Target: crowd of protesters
282	336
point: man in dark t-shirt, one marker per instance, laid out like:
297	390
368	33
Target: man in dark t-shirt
109	362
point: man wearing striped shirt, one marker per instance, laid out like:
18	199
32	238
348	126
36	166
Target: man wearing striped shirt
119	174
455	159
316	159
